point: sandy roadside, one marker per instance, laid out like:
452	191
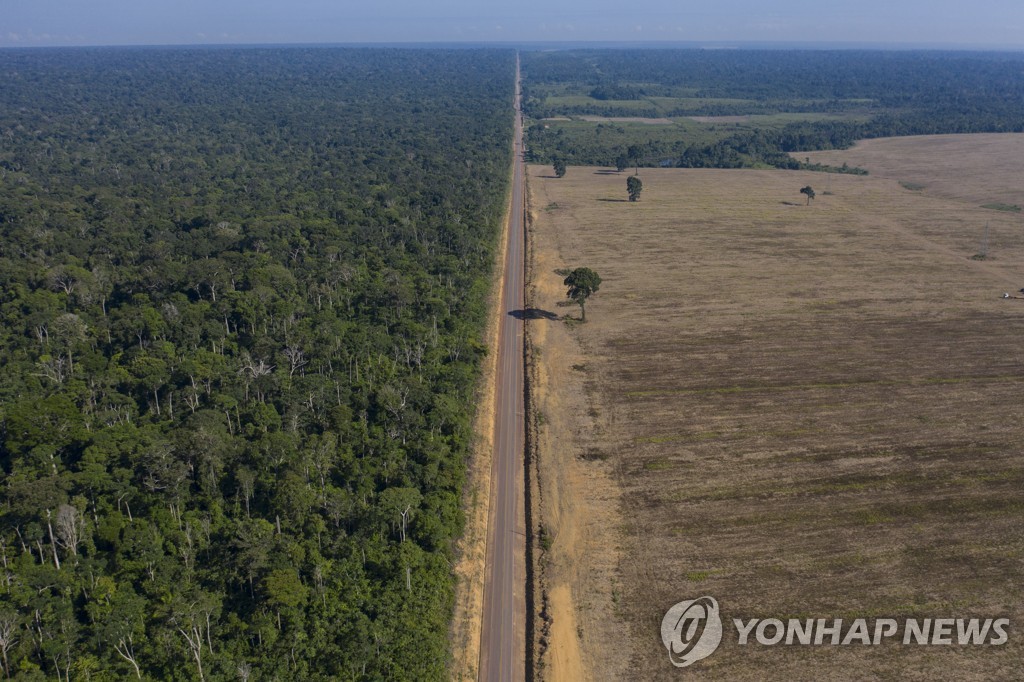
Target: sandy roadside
577	498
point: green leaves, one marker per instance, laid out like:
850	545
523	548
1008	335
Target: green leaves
582	283
634	185
284	589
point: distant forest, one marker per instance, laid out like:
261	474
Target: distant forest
242	294
860	94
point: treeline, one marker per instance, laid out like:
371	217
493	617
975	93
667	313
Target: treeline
640	105
616	91
884	93
744	149
864	76
241	294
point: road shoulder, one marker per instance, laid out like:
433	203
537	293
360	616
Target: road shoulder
576	497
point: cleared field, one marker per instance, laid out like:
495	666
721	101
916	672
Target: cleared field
982	169
756	121
585	100
803	411
626	119
659	103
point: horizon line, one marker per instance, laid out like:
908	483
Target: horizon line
562	45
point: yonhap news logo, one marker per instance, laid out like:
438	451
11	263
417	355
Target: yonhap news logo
692	630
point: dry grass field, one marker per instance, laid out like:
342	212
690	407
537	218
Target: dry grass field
979	169
803	411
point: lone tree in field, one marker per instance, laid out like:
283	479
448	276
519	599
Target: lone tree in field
559	166
809	191
582	283
621	162
634	185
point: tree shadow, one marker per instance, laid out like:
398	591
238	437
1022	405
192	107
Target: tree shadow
607	172
790	203
548	177
616	201
534	314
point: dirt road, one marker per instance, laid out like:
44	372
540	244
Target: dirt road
503	638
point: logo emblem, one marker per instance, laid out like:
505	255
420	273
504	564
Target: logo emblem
691	631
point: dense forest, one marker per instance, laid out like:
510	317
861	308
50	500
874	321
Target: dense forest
242	297
847	95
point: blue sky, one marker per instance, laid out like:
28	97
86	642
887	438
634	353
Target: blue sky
991	23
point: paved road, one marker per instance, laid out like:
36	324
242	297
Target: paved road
503	637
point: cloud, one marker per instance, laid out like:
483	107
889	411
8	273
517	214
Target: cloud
31	36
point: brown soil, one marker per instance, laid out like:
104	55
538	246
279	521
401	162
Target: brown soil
800	410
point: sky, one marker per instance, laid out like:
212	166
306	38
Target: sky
997	24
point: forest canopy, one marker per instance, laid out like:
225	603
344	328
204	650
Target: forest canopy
741	108
242	294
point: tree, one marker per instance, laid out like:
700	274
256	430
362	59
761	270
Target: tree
285	591
634	185
633	153
8	637
621	162
121	623
559	165
582	283
399	505
70	527
809	191
192	614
